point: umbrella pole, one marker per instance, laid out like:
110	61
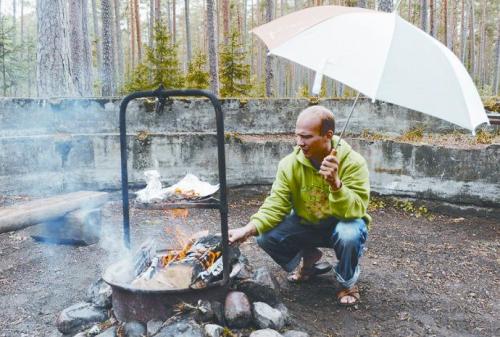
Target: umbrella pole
348	119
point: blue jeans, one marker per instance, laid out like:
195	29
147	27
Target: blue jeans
285	244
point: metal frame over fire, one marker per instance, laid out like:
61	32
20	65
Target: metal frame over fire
127	293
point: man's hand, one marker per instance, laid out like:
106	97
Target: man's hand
329	170
240	235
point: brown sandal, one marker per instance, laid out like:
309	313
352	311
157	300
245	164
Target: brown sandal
304	274
353	292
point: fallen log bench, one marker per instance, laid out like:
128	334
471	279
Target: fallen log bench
68	217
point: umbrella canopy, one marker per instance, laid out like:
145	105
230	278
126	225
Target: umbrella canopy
382	56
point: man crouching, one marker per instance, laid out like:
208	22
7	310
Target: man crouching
318	199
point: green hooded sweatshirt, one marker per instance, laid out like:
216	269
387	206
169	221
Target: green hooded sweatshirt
298	185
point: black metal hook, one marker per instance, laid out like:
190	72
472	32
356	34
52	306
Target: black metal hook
161	102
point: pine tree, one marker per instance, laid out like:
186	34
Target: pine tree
139	80
234	72
162	60
161	66
197	77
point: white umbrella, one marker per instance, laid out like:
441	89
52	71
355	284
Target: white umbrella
382	56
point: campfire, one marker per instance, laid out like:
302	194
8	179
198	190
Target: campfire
194	266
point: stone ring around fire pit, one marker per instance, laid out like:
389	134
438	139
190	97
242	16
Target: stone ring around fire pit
167	279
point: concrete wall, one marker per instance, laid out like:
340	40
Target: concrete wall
48	147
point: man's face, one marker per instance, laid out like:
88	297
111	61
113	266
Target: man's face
308	132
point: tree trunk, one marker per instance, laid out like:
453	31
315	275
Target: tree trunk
281	63
244	25
133	59
97	35
472	49
410	11
53	55
482	46
362	3
188	32
14	22
22	22
118	43
269	73
225	20
385	5
445	23
137	17
431	17
157	12
496	78
108	66
174	25
169	18
423	15
151	23
212	49
463	33
80	48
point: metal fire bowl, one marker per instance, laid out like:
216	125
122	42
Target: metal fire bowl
134	304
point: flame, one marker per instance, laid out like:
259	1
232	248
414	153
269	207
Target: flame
178	213
176	255
210	259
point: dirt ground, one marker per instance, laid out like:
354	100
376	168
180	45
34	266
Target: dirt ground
431	275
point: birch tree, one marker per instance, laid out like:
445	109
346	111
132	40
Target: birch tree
53	72
80	47
212	49
108	64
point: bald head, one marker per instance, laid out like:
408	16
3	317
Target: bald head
320	115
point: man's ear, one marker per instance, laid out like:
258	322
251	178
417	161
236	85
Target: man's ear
329	134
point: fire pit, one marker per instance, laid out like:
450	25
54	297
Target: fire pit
150	285
140	300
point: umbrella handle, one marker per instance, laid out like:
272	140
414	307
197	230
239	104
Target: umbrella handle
347	122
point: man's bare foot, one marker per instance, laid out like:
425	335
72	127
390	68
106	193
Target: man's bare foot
348	297
306	270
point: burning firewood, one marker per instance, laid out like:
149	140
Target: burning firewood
195	265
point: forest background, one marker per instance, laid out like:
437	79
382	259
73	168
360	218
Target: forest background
62	48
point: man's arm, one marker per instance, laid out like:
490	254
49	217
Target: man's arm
350	193
276	206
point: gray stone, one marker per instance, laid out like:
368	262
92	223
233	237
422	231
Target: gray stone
204	312
111	332
266	333
241	270
295	333
284	311
213	330
182	328
266	316
218	310
134	329
81	334
237	310
153	327
262	287
99	293
78	317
